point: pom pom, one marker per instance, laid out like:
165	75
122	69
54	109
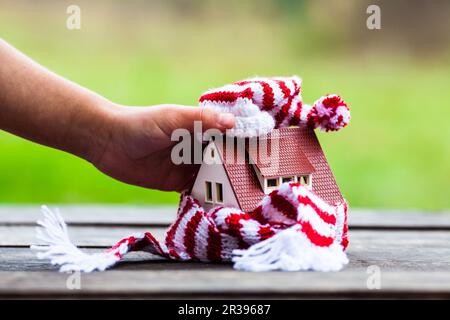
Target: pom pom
329	113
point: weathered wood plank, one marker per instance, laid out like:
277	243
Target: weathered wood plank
164	215
85	236
398	219
224	284
93	215
391	251
24	259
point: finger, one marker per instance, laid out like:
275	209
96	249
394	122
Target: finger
186	116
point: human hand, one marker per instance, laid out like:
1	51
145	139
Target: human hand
136	144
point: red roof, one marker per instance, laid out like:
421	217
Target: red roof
291	161
298	151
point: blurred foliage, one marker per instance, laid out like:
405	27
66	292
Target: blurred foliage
395	153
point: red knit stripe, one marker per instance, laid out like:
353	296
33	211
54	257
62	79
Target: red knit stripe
174	254
283	205
258	216
283	113
214	247
284	88
344	241
129	242
155	243
316	238
295	120
297	87
226	96
233	220
265	232
119	243
325	216
268	97
213	213
189	236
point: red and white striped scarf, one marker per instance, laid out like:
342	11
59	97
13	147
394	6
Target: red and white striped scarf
292	229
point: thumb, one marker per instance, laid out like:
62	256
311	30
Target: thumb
186	116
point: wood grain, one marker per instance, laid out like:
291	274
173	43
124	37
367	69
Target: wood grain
391	251
164	215
224	284
411	248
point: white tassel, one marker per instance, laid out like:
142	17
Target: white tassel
289	250
61	251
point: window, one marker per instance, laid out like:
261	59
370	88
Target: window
271	183
219	193
306	180
208	191
212	153
287	179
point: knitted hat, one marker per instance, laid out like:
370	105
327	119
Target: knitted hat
292	229
262	104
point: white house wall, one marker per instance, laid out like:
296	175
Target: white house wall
215	173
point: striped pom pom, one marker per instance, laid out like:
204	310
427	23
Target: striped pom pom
329	113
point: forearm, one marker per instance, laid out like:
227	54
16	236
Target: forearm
38	105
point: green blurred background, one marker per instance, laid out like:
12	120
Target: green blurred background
394	154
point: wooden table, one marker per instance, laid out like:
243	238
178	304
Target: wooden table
411	250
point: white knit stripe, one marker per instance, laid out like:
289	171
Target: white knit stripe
304	114
202	239
229	243
308	214
227	106
258	92
181	232
319	202
278	95
249	231
290	86
340	220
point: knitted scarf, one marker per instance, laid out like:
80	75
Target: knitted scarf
292	229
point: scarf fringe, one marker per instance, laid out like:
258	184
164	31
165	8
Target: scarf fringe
290	250
60	250
315	240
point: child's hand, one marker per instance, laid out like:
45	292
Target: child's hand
131	144
137	145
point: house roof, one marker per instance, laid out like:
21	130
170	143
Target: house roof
291	161
298	151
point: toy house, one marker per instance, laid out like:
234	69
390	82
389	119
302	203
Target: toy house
233	174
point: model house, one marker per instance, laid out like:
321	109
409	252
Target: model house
239	172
